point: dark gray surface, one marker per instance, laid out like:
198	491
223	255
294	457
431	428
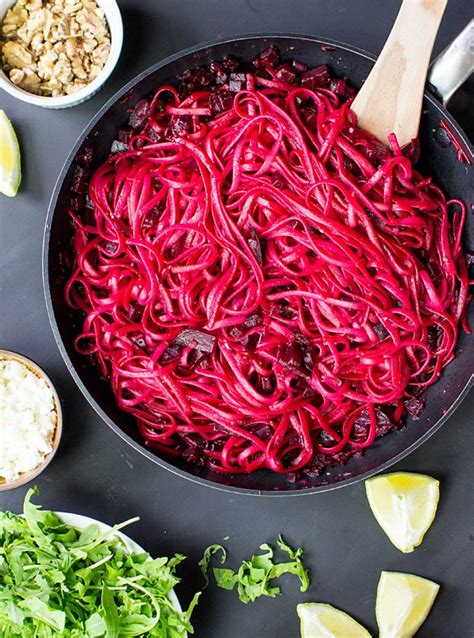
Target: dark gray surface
96	474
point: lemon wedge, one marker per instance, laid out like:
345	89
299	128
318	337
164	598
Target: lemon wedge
10	165
404	505
403	603
319	620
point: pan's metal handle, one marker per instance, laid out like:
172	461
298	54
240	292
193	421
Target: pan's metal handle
454	65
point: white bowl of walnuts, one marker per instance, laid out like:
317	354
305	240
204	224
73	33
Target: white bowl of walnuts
58	53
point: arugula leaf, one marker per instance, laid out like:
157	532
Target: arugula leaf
56	580
206	559
225	578
37	609
190	609
111	617
296	567
95	626
34	516
254	575
15	614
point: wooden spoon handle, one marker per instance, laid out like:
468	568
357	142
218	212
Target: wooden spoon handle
390	99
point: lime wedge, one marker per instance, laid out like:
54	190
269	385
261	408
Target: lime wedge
10	165
318	620
403	603
404	505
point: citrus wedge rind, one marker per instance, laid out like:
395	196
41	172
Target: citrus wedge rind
319	620
404	505
10	162
403	603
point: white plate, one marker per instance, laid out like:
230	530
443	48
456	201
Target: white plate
80	522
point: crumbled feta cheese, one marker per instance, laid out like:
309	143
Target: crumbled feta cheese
28	419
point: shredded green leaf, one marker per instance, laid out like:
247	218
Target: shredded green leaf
253	578
206	559
56	580
225	578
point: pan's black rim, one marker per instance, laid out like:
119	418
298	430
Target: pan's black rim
467	384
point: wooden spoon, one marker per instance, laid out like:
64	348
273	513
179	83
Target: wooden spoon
391	97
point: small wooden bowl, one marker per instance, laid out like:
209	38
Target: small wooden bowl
26	477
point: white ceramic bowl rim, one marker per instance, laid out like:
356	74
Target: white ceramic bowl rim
114	20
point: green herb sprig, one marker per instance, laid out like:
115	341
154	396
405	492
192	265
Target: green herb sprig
255	576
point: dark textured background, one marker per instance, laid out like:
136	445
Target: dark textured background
96	474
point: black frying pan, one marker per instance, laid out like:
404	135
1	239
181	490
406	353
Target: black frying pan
438	159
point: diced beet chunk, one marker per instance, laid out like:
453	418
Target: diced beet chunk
194	454
384	424
342	88
196	339
415	407
221	100
292	355
380	331
284	311
118	147
214	67
139	114
301	386
230	63
267	385
253	320
193	80
255	246
171	353
125	134
80	179
179	127
77	202
469	257
412	150
361	427
236	82
85	155
198	358
299	67
235	333
202	77
185	75
309	117
316	78
268	57
309	357
376	153
110	247
218	71
155	136
263	431
135	313
350	92
286	74
250	341
338	86
152	218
